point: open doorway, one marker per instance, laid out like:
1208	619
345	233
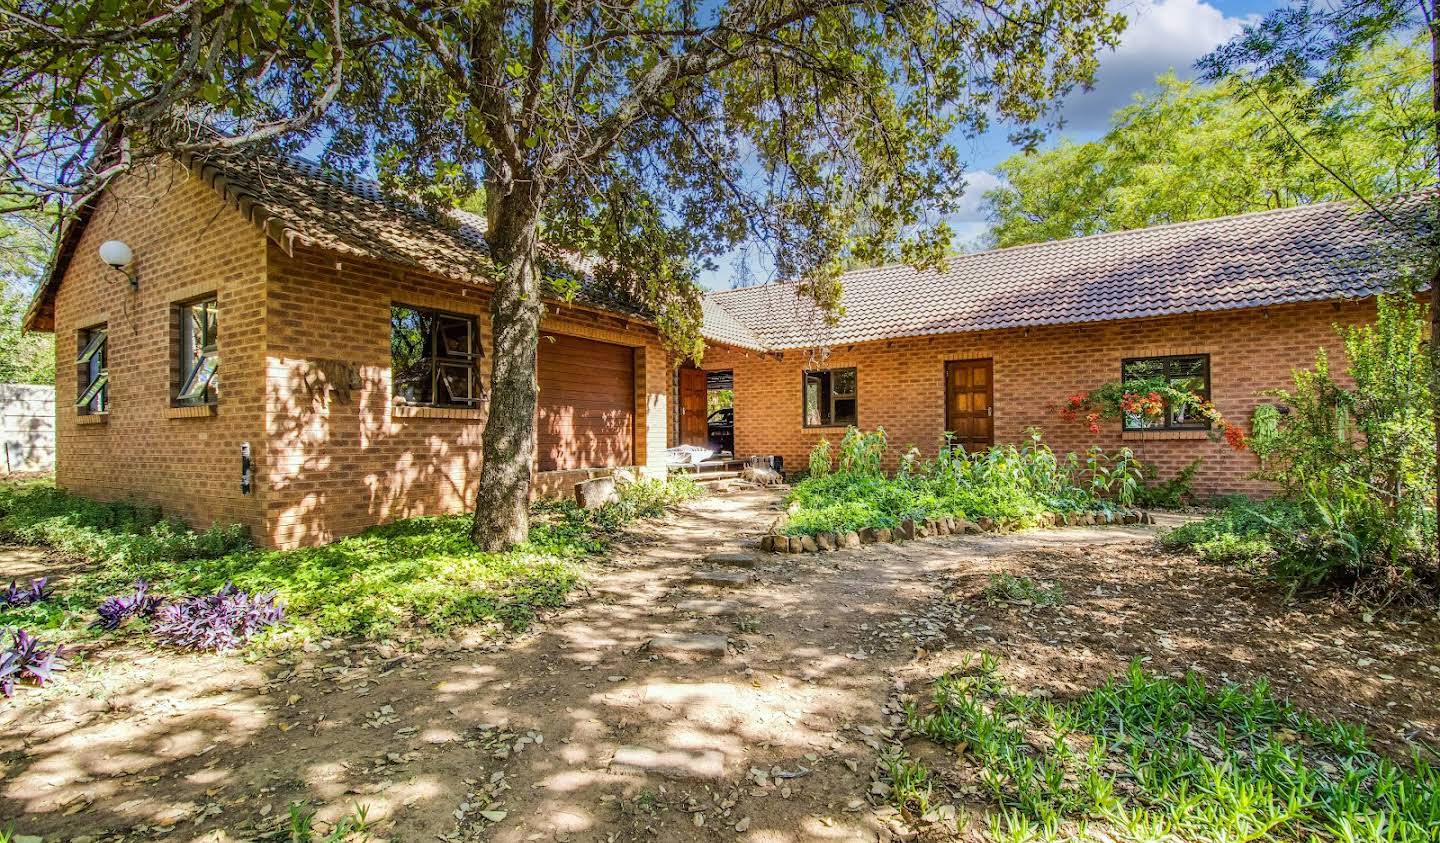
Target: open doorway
707	410
720	411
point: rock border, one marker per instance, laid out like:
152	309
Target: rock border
776	541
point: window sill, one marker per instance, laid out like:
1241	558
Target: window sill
406	411
1161	435
91	418
190	412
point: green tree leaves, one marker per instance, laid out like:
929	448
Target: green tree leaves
1196	151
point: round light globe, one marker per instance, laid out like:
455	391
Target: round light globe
115	253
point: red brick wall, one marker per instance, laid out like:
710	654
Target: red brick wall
901	383
340	463
186	244
330	460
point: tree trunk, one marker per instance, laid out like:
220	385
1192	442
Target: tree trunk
502	507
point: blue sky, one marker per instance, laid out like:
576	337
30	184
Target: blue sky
1162	35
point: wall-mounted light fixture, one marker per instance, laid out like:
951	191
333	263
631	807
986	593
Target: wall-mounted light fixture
119	256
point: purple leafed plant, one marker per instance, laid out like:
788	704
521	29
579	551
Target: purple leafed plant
115	611
220	621
15	596
28	658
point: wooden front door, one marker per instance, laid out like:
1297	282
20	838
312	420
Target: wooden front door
970	403
693	427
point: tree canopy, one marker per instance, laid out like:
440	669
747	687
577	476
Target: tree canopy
648	136
1196	150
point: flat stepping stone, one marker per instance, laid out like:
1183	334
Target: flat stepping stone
710	608
733	558
689	646
704	764
724	579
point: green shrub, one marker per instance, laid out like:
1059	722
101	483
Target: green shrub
1017	484
1359	463
1178	491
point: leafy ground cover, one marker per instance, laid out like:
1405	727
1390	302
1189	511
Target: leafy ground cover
420	572
1014	484
1151	757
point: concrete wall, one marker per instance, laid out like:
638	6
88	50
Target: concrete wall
902	388
27	427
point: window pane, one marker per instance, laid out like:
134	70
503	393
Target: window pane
455	337
844	411
434	357
458	383
817	398
93	398
1190	373
411	363
844	382
196	387
93	346
199	364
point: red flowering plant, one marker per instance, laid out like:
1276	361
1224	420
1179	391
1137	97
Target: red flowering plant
1143	403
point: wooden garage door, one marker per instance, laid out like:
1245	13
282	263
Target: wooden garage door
587	403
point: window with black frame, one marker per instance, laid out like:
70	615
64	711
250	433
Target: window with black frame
93	371
1188	372
198	356
831	398
434	358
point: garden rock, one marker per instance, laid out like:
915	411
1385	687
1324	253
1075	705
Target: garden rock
869	535
907	529
825	541
593	494
986	524
808	545
883	535
849	538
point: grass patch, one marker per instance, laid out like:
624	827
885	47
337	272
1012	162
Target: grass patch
1007	588
420	572
1147	757
1242	532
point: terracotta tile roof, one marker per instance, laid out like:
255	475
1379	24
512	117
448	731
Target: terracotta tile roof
1309	253
297	201
721	327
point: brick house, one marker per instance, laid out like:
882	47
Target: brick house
337	333
989	347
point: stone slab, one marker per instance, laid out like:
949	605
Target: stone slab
689	646
703	764
711	608
731	558
723	579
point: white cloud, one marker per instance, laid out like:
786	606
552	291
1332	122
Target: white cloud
977	183
1162	35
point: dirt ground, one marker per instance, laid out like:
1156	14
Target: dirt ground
775	740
